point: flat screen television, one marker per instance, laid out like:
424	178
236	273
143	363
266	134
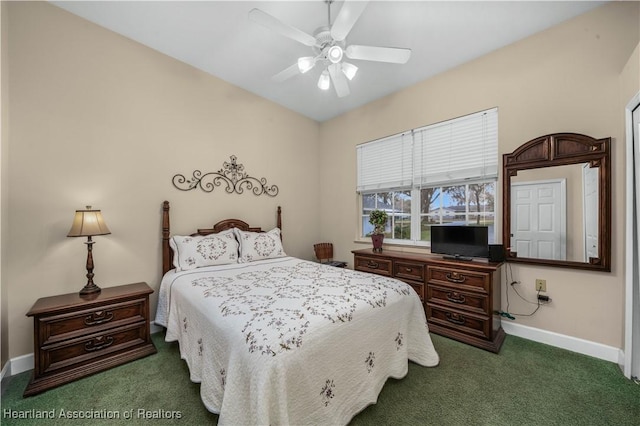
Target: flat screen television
460	242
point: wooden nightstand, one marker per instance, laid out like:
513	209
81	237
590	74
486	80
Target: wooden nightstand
76	336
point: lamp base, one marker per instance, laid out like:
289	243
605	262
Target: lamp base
90	288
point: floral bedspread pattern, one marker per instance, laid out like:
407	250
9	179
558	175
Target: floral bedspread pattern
287	341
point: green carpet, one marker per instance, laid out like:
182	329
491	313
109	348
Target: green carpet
527	383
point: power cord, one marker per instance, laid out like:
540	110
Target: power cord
512	284
506	315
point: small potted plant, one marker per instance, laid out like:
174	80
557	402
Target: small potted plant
377	218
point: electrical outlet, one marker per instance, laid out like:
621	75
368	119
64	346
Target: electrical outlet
541	285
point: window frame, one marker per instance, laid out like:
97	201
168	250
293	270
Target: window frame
459	151
417	215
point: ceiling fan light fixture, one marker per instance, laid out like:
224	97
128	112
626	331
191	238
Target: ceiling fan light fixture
334	54
349	70
324	82
306	63
329	46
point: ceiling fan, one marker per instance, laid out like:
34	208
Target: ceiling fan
329	47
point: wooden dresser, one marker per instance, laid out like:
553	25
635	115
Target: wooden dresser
77	336
460	298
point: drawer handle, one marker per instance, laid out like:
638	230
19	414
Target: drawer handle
455	318
98	343
408	269
455	297
373	265
455	277
98	317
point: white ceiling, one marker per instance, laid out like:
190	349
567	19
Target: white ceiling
217	37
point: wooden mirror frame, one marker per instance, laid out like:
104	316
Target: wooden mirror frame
560	149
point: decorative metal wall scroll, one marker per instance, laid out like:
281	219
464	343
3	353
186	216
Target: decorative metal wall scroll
231	174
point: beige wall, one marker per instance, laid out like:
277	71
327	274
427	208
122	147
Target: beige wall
565	79
630	77
4	141
98	119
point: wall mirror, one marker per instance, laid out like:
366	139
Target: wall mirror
557	202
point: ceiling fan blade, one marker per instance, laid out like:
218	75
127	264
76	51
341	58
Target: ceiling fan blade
286	73
339	80
276	25
394	55
347	17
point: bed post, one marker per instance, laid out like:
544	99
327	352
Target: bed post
279	221
166	250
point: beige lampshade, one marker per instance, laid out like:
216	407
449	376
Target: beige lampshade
87	223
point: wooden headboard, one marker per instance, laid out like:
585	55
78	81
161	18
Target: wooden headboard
167	253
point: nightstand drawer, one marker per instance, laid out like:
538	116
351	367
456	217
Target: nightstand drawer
88	348
374	265
457	299
409	270
464	279
67	326
466	322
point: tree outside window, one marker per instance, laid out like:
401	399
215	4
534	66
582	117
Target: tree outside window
471	204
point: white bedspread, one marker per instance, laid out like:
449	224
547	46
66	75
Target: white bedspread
287	341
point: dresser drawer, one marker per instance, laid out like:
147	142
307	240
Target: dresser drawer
74	324
417	287
465	322
464	279
458	299
70	353
409	270
374	265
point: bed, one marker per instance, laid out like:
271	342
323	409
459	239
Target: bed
273	339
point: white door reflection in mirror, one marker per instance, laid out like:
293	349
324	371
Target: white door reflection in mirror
539	217
590	182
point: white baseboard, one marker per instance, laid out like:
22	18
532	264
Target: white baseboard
21	364
574	344
155	328
621	362
5	369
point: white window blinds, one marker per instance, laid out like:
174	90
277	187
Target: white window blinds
386	163
465	148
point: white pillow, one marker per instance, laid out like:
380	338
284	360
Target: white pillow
259	245
196	252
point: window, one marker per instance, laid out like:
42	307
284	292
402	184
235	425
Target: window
466	204
397	204
445	173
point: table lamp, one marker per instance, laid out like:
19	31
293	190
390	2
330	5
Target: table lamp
88	223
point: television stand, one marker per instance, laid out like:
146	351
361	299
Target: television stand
457	257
